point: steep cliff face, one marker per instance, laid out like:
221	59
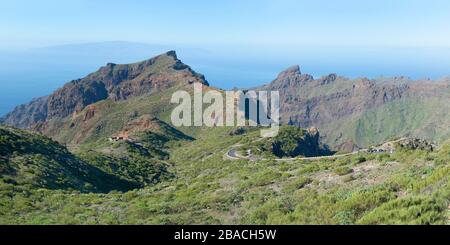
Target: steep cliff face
75	96
307	101
361	110
25	115
113	81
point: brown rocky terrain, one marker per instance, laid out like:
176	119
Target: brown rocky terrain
23	116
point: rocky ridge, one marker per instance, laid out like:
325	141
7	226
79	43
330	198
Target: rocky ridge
113	81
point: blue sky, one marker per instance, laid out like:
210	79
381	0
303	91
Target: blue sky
265	23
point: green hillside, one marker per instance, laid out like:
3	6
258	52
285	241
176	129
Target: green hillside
108	118
143	161
424	118
34	161
407	187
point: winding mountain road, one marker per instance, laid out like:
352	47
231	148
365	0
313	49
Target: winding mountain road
232	154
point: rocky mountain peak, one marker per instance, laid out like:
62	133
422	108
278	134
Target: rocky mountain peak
172	53
290	78
291	71
113	81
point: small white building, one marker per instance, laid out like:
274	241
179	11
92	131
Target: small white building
385	148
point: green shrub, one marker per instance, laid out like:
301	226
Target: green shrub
348	178
298	183
359	160
343	171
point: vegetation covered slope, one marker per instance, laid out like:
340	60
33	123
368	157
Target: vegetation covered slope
35	161
142	158
407	187
104	119
290	142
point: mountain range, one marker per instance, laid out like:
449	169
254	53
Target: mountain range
350	113
354	113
